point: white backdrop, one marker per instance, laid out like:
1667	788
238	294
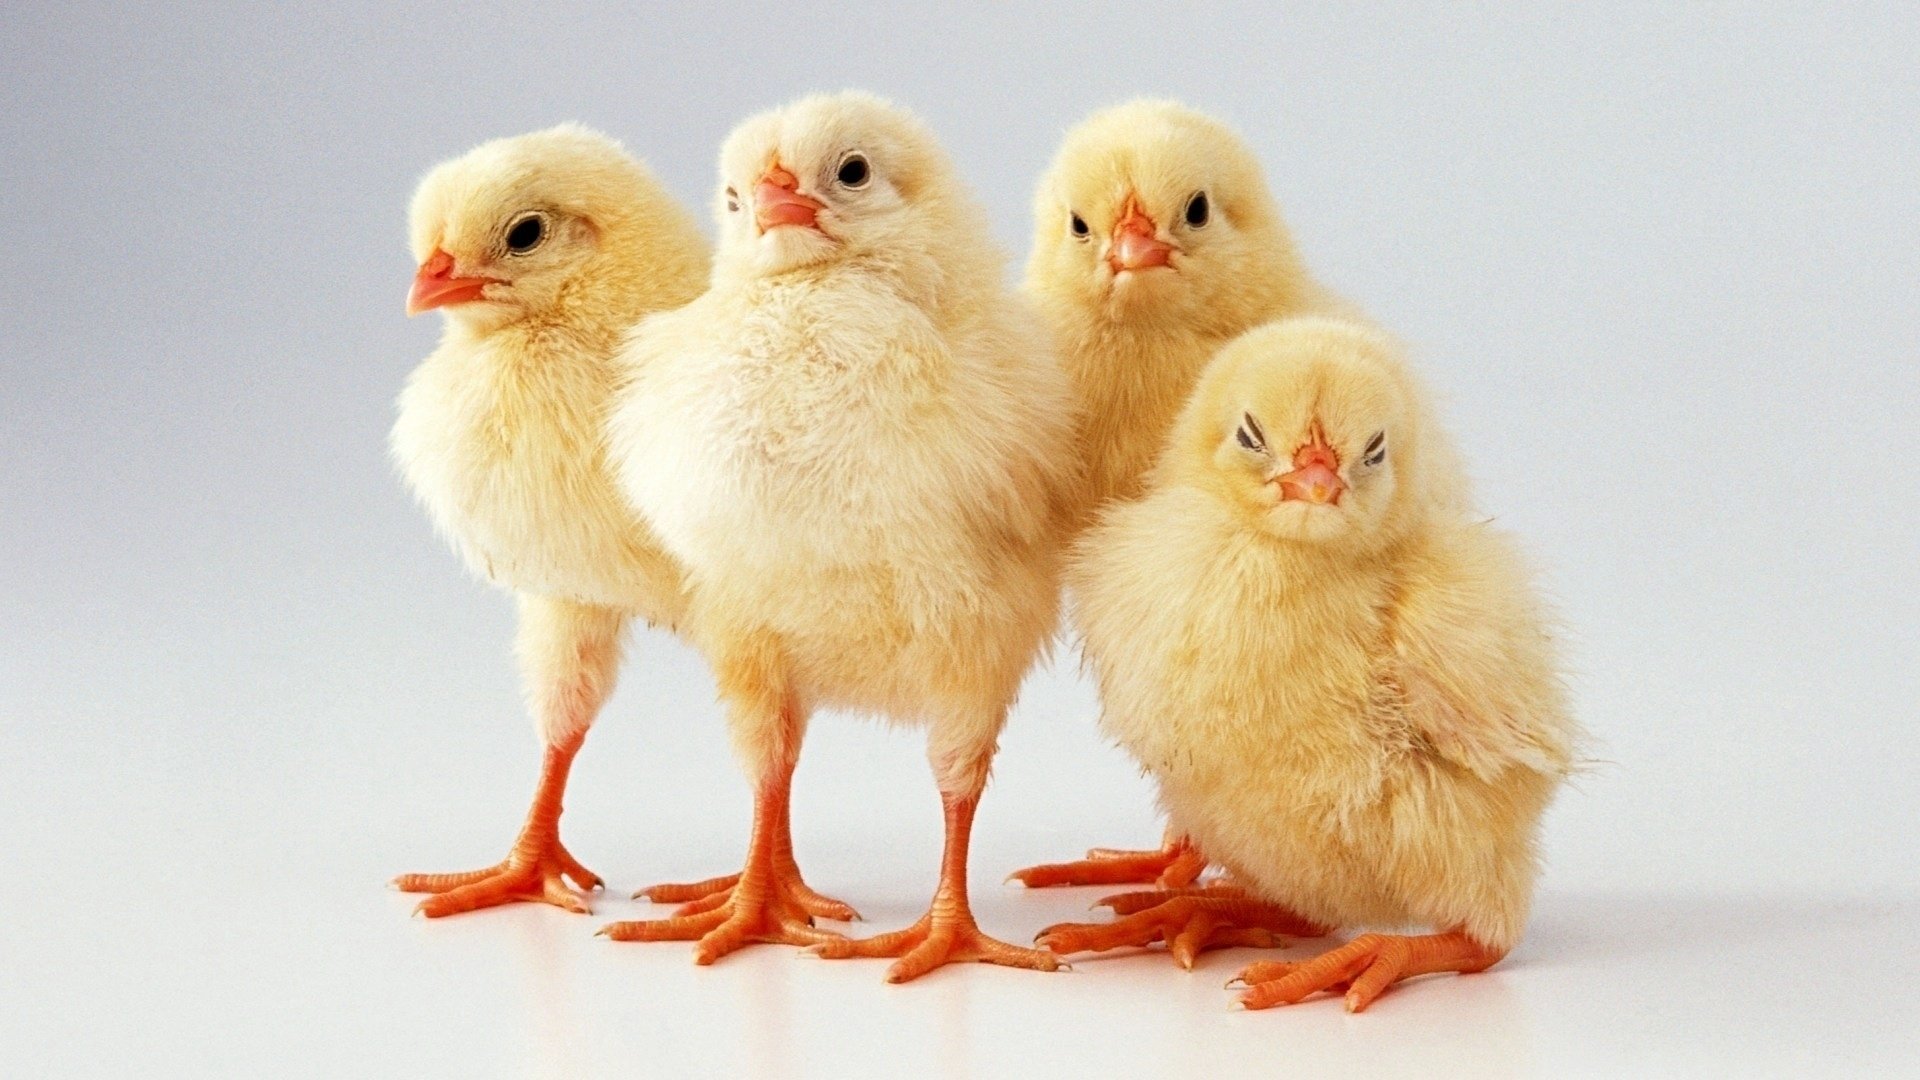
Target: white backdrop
1661	262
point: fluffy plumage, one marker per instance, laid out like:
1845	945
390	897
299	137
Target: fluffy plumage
542	250
852	441
1134	341
1155	242
1353	705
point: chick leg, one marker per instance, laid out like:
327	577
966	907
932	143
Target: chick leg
947	933
1176	864
1365	967
1190	921
697	897
569	654
766	902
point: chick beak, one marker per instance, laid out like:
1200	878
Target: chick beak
777	201
435	286
1316	474
1136	241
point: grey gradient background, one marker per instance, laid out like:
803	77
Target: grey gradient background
1662	263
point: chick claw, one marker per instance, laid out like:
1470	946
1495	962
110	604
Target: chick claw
1189	921
699	897
534	874
1174	866
937	939
731	917
1364	968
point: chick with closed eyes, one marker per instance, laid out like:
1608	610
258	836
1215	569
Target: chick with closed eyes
1341	680
853	443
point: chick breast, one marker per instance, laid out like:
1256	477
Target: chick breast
829	465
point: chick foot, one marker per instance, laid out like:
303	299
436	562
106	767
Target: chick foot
1364	968
763	906
939	938
1190	921
766	903
699	897
536	871
947	933
537	868
1176	864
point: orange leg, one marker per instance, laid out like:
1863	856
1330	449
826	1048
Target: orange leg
1176	864
1364	968
947	933
765	903
533	870
1190	921
698	897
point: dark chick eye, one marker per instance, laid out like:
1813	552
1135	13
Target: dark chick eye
854	172
733	200
1376	451
1249	434
1079	225
1198	211
525	235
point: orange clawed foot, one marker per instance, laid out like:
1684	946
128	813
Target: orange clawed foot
699	897
946	934
761	905
1364	968
766	903
1175	865
535	871
1190	921
940	937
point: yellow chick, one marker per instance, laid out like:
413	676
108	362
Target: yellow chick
852	442
1342	682
1155	242
541	250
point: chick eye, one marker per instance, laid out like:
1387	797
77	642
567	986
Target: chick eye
733	201
854	172
1079	226
526	233
1249	434
1199	212
1376	451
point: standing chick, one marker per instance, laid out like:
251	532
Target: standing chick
1343	684
853	443
1155	242
542	250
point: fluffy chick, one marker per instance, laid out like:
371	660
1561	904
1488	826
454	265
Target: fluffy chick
1343	684
1155	242
852	443
541	250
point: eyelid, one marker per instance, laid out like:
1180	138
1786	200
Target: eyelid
1254	427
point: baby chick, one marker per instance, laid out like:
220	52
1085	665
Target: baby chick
1156	241
541	250
1343	683
852	443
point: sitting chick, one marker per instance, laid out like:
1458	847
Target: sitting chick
1155	242
1342	683
541	251
853	443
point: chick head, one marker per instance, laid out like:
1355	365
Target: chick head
1152	211
832	178
1309	430
516	226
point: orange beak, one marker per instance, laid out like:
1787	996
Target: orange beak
435	286
1136	241
777	201
1316	473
